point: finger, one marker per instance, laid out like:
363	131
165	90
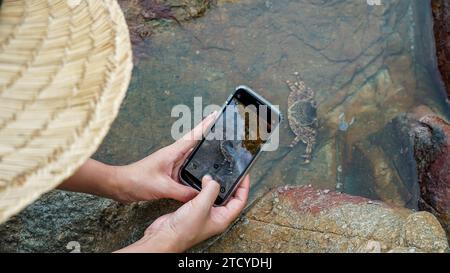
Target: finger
180	192
243	189
188	141
208	194
239	200
176	168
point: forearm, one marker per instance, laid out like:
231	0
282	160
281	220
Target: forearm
96	178
152	244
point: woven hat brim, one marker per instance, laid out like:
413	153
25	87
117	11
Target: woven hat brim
64	70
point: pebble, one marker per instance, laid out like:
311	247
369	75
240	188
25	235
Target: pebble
326	191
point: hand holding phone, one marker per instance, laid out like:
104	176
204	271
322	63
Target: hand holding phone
231	146
193	222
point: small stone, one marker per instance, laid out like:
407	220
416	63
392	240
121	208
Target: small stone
373	247
268	4
326	191
276	200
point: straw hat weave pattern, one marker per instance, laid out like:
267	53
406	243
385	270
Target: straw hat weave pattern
65	66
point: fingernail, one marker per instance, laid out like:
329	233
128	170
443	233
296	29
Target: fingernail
213	114
207	177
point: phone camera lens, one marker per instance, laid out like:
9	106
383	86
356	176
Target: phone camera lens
194	166
222	189
216	166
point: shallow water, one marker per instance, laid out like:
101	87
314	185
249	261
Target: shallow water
366	64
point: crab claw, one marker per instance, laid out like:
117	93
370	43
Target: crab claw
307	158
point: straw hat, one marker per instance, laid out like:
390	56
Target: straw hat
65	66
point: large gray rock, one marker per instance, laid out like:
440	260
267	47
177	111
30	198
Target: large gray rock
61	221
302	219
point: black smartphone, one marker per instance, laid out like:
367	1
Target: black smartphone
244	127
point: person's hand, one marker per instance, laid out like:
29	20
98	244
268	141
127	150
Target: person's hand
156	176
193	222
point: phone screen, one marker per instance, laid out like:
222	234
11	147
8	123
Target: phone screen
232	144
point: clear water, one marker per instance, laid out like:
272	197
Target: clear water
366	64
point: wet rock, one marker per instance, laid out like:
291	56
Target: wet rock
308	220
60	219
432	151
441	15
146	17
382	166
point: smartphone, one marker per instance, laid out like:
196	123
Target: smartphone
230	146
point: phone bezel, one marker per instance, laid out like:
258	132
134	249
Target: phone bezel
258	99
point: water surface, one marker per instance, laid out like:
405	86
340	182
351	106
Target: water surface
366	64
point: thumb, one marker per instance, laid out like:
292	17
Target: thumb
180	192
187	142
210	191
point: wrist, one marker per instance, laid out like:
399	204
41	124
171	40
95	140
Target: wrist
162	243
120	183
153	243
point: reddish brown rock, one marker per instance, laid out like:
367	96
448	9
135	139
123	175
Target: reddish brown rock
146	17
441	15
432	152
303	219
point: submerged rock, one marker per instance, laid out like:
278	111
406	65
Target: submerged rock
382	166
432	151
303	219
145	17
